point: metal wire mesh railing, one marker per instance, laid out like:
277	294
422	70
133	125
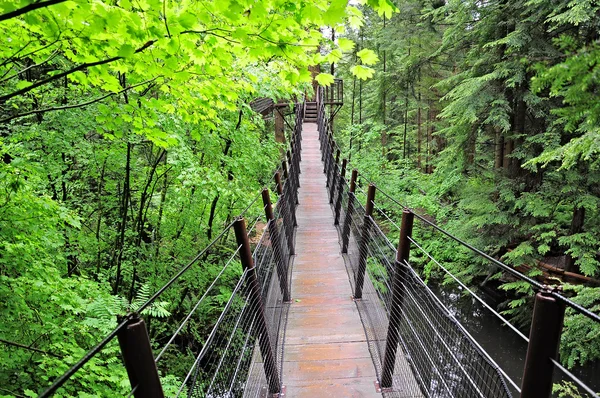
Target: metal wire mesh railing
433	354
240	353
418	346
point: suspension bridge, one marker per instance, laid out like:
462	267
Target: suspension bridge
326	305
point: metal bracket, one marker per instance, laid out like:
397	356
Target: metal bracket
264	393
281	394
381	390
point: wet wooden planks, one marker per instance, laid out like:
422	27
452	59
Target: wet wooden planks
326	352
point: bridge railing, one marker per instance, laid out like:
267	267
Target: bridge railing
241	352
418	346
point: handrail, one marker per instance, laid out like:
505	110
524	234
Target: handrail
286	204
542	347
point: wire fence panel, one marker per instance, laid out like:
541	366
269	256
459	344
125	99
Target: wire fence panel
436	357
230	363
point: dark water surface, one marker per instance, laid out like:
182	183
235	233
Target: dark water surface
503	345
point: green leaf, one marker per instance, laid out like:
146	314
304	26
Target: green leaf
335	13
345	44
362	72
187	20
334	56
367	56
126	51
22	84
324	79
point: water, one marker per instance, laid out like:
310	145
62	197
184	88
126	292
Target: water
503	345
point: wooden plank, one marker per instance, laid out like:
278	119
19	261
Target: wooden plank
326	352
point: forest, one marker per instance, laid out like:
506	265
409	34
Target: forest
128	141
484	116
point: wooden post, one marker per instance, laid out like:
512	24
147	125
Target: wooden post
279	123
139	360
334	176
398	292
338	203
349	212
364	244
544	341
289	222
285	168
269	362
275	237
278	183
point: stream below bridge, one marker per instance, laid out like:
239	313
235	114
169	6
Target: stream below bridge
502	344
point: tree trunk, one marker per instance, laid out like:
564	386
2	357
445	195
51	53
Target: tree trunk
499	149
120	244
100	214
404	151
576	227
161	207
211	217
279	125
419	122
520	117
508	148
472	145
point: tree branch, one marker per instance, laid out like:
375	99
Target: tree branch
30	7
50	58
80	105
11	343
70	71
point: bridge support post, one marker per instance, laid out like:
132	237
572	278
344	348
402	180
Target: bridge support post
282	262
338	203
334	171
266	350
139	360
398	292
325	154
544	341
280	191
285	169
349	212
287	212
294	177
364	244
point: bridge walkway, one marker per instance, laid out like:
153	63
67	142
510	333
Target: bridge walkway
326	351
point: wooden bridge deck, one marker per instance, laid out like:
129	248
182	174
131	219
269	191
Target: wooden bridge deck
326	351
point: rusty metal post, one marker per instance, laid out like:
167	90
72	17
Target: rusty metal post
289	159
293	172
278	183
269	362
544	341
331	157
139	360
288	223
334	176
295	178
364	244
398	291
324	152
282	263
285	169
349	211
338	203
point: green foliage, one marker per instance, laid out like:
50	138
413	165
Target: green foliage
566	389
127	143
484	118
580	341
